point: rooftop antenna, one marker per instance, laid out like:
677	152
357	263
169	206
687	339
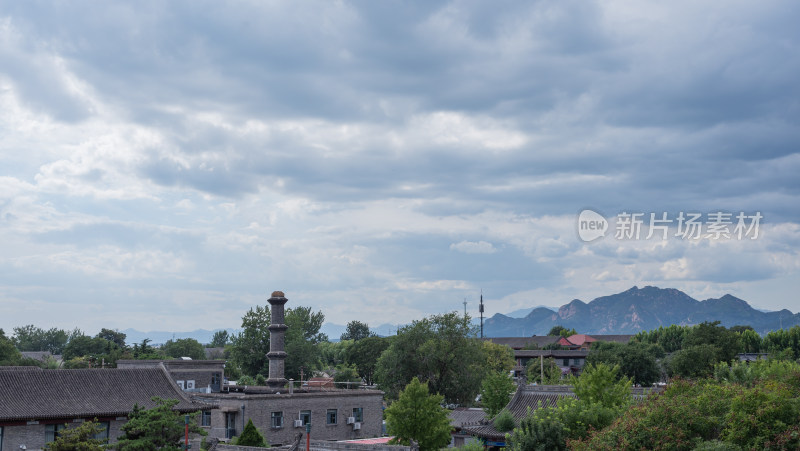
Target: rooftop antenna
480	309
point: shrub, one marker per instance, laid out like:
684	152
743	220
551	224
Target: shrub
504	421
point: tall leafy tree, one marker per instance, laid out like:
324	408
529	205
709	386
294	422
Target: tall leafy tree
418	415
159	428
32	338
545	372
496	391
9	354
249	348
364	354
184	347
220	339
356	330
499	358
302	338
113	336
442	350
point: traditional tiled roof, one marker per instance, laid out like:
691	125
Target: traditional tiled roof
613	338
526	397
522	342
43	394
466	416
580	339
555	353
536	396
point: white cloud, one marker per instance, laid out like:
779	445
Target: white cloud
471	247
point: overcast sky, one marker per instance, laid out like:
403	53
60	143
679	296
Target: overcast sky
167	165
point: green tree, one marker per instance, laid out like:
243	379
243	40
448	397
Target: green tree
184	347
220	339
442	350
498	357
84	345
725	341
79	438
504	421
113	336
602	384
561	331
346	377
541	431
417	415
302	338
9	354
548	366
332	354
32	338
636	360
143	351
496	391
356	330
251	436
159	428
693	361
750	341
364	354
249	348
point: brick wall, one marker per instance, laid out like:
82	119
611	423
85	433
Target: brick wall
259	408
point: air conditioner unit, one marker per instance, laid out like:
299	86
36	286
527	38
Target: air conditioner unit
351	420
190	385
356	426
298	423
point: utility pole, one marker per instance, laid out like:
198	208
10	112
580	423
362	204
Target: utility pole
480	309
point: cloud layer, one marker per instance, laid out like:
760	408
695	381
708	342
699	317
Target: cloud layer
382	162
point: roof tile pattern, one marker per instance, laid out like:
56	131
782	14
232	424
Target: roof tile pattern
44	394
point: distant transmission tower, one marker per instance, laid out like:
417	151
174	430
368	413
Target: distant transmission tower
480	309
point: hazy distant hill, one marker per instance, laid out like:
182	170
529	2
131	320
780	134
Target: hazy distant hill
639	309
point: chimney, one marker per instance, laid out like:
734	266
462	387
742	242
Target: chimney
277	330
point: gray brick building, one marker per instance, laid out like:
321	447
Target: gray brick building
37	403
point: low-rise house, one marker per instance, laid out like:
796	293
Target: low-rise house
203	376
570	361
517	343
37	404
334	414
462	417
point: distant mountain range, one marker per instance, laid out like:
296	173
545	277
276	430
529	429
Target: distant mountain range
628	312
639	309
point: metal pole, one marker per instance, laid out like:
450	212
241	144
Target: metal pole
541	366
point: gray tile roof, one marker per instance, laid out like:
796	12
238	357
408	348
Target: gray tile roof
465	416
43	394
521	342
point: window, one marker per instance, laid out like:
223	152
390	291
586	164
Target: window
102	434
206	418
230	424
358	414
277	419
215	379
305	416
566	362
331	416
51	432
